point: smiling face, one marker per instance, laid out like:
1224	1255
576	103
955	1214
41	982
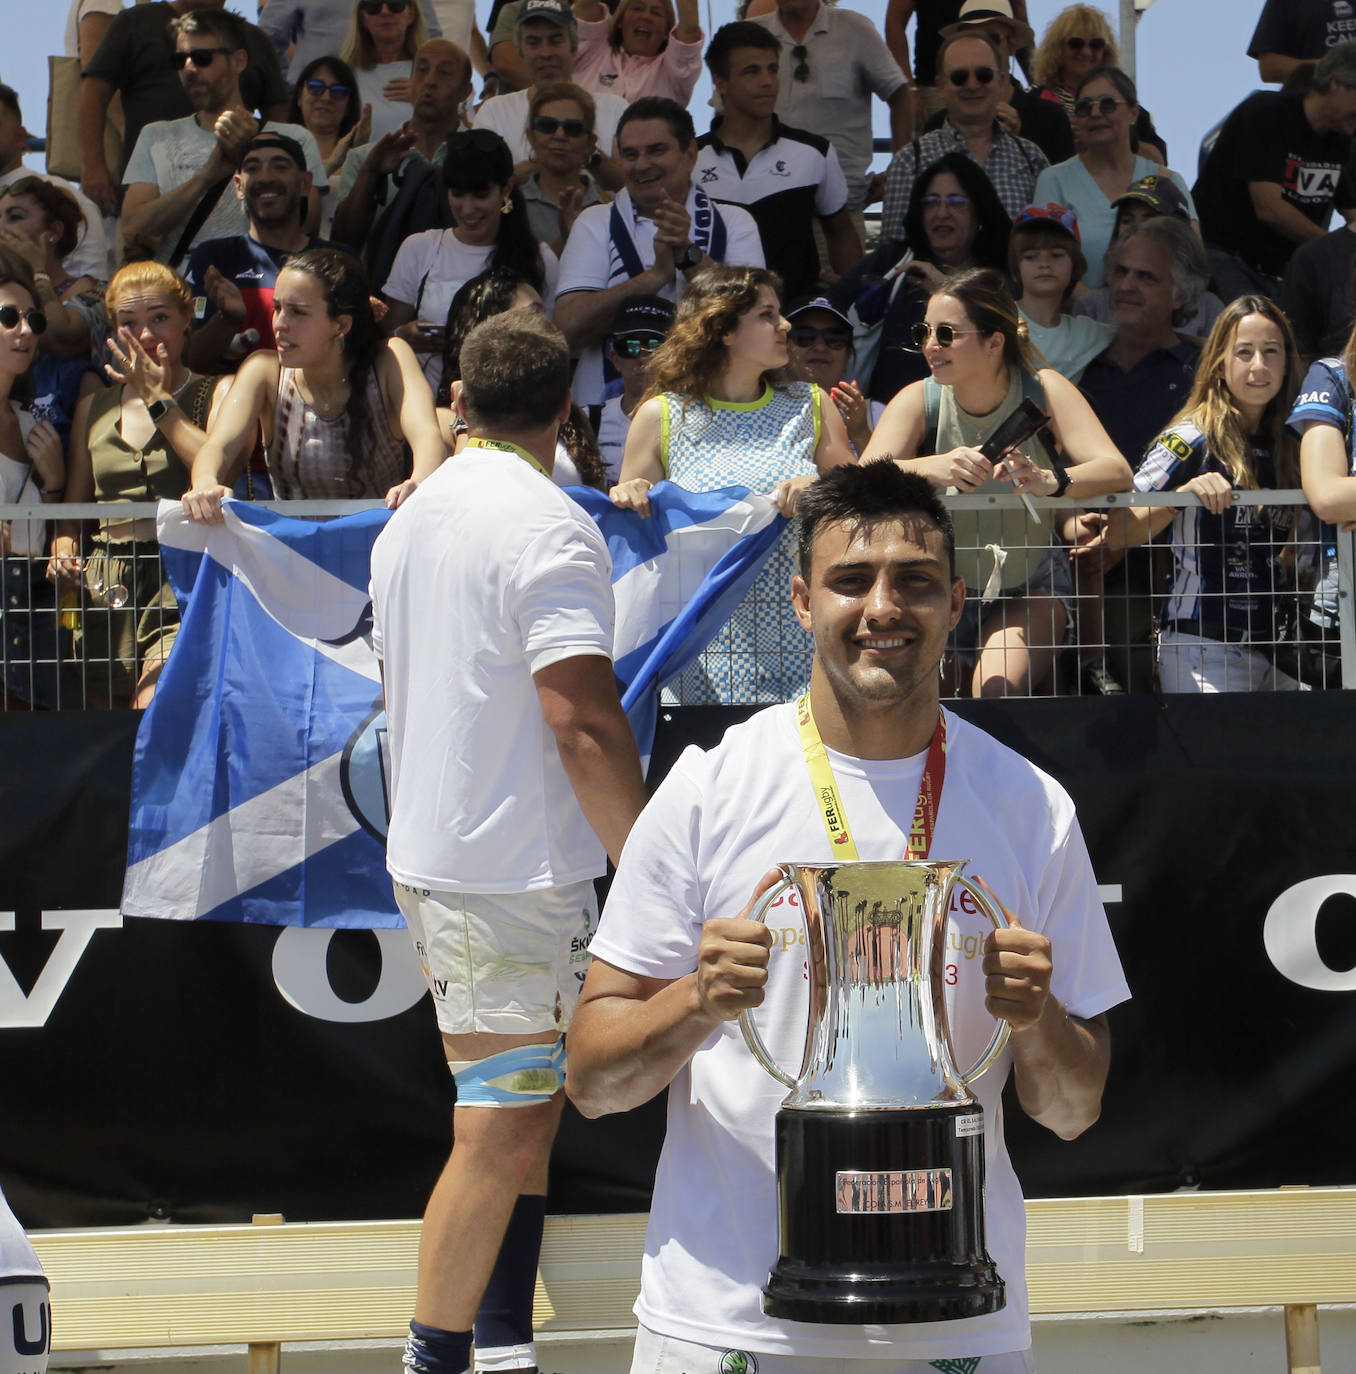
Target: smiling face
759	335
880	603
644	27
654	163
824	350
951	223
477	214
971	356
302	325
751	88
1080	53
18	345
156	318
271	185
546	51
562	152
973	100
1254	367
322	113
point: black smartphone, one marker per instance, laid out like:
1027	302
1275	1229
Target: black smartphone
1024	422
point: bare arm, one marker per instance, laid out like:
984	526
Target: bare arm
630	1035
902	113
585	316
840	234
1323	471
508	66
897	16
230	434
1276	67
147	212
643	463
579	702
688	29
408	397
833	448
95	178
1273	210
590	11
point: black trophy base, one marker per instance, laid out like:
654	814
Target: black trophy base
880	1216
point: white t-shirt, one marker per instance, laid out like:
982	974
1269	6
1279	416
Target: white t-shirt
170	152
1072	344
507	116
486	575
387	115
591	262
716	824
90	256
79	9
431	266
614	424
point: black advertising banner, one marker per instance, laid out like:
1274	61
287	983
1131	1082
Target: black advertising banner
201	1071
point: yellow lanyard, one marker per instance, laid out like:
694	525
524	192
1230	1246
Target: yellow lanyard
830	803
504	446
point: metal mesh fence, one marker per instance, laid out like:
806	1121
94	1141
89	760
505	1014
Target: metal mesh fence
1126	593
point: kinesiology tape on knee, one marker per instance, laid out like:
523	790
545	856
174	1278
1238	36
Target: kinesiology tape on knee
521	1077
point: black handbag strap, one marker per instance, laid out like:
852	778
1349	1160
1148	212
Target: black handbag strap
201	210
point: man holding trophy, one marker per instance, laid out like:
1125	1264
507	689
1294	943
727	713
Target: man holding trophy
844	1226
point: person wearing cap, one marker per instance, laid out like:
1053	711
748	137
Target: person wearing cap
1021	110
547	38
232	279
820	349
640	325
835	61
1147	198
786	178
176	179
1091	181
1274	176
967	78
1045	259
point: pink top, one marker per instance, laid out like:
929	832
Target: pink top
598	66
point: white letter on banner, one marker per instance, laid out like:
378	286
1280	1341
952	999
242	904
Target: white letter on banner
1290	933
301	976
77	928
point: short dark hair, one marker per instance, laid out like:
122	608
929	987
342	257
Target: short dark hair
742	33
660	107
866	495
1118	79
230	30
9	100
515	371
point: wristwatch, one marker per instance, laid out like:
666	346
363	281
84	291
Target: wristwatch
692	255
157	410
1062	478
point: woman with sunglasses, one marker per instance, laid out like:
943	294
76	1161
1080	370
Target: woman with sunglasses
135	441
1106	166
560	129
1019	587
491	229
382	41
32	473
723	412
641	49
820	349
326	103
955	221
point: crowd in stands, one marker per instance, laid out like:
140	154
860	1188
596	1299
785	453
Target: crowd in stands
282	230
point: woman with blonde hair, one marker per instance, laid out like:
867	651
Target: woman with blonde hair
133	442
1231	573
723	411
1019	588
382	41
643	49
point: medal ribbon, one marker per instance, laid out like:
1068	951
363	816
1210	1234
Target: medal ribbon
830	803
504	446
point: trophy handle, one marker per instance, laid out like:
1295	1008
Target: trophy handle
751	1037
1000	1035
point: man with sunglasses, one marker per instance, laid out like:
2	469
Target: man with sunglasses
786	178
135	59
176	178
968	74
833	62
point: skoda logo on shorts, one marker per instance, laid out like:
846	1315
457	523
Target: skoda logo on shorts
738	1362
363	774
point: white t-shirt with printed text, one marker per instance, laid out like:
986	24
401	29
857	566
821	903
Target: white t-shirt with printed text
716	824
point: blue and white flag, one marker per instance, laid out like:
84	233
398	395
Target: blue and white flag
258	784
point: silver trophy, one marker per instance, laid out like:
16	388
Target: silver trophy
880	1146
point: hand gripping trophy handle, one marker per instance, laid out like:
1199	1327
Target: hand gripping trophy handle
751	1037
1000	1034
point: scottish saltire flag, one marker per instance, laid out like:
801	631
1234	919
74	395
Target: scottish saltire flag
258	781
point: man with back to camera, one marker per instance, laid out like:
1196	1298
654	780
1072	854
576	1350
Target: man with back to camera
513	770
659	232
673	965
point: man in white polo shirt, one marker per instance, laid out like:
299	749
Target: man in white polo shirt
659	232
513	775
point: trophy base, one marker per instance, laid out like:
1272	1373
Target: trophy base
880	1215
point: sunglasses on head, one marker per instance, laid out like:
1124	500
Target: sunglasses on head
1091	44
573	128
335	89
801	71
375	7
634	347
199	57
10	315
946	334
955	201
807	335
984	75
1103	104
